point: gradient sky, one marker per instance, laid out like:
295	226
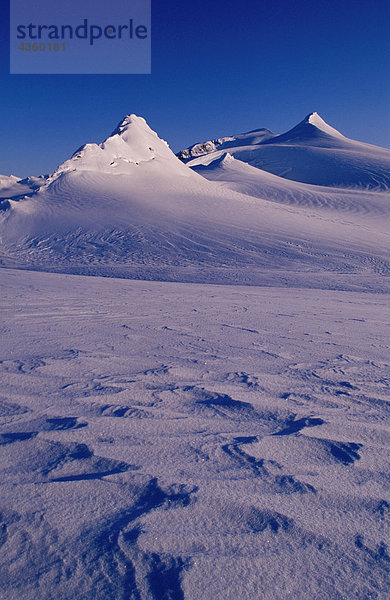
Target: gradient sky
219	67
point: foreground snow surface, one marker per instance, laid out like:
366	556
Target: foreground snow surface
184	441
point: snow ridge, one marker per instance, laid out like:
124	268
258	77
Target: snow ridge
311	152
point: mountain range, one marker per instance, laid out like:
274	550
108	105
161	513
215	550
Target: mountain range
240	209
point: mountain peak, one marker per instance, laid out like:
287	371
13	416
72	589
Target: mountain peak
131	121
315	120
135	140
312	131
132	143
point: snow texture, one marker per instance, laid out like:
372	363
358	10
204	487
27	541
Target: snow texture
163	440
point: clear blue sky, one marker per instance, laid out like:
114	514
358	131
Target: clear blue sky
219	67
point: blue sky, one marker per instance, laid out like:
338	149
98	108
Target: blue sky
218	68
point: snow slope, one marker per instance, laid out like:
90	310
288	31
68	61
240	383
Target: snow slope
312	152
369	205
129	207
192	442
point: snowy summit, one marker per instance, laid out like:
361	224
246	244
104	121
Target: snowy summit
317	121
132	142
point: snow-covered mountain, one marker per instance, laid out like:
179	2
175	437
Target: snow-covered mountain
129	206
131	144
311	152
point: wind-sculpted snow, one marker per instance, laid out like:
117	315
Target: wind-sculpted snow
93	223
183	441
366	205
